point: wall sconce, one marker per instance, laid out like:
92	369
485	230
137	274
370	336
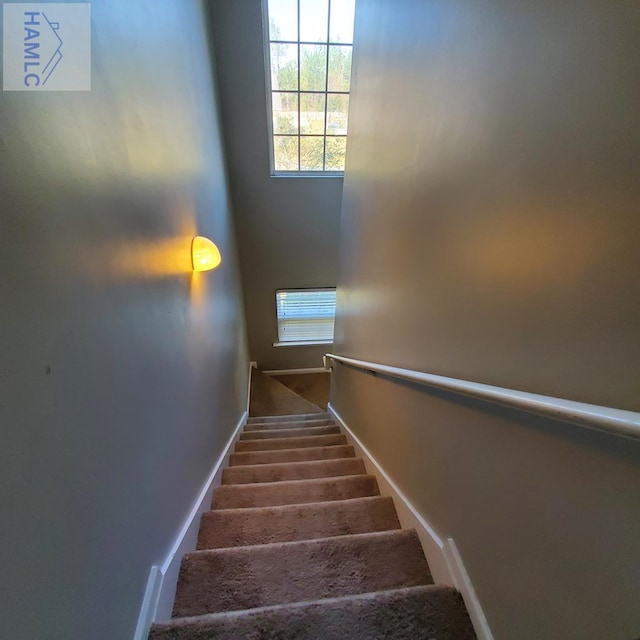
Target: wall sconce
204	254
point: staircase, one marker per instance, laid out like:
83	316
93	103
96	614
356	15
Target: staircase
299	545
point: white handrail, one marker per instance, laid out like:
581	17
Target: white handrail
617	421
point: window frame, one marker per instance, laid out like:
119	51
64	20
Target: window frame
302	343
266	44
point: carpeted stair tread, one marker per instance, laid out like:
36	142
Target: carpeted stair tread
430	612
295	417
261	426
286	523
279	573
293	471
291	455
301	432
290	443
269	494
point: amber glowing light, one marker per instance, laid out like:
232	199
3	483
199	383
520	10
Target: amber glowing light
204	254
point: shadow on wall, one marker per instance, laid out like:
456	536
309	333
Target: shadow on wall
269	397
312	386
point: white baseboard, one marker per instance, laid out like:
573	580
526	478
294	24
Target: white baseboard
290	372
252	365
444	560
462	583
163	578
432	543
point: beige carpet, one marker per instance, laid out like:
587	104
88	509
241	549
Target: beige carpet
314	387
299	545
272	398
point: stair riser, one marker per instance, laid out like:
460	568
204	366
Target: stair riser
419	613
291	455
288	418
243	578
272	426
263	525
293	492
290	433
271	444
294	471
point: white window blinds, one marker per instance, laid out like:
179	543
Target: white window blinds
306	315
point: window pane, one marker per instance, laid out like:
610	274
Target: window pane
285	112
285	152
305	315
283	19
312	113
284	67
310	82
339	68
313	67
314	18
336	150
342	14
337	114
311	152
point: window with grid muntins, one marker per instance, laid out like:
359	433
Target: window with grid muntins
310	46
306	315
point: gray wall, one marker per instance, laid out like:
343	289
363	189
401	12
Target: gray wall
287	228
122	374
489	233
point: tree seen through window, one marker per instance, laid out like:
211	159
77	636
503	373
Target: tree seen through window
310	46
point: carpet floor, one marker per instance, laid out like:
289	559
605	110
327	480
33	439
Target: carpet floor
300	545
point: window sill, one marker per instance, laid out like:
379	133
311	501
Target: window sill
305	343
307	174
